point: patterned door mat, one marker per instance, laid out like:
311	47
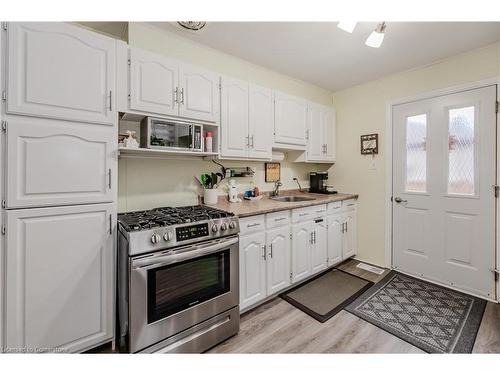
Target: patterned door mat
433	318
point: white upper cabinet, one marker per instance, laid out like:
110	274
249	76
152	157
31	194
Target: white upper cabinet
60	71
321	134
153	83
234	118
58	163
59	277
198	93
261	122
247	120
168	87
290	124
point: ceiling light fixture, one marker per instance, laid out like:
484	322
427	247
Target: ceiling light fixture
192	25
377	36
348	26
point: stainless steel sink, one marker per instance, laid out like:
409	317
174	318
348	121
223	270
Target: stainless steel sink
292	198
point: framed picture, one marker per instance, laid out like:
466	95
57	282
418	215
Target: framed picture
369	144
273	172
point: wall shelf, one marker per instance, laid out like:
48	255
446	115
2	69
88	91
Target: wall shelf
161	154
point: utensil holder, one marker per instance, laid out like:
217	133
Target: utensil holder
211	196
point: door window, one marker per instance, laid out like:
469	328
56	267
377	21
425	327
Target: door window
416	154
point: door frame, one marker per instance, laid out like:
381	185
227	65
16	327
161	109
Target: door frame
388	253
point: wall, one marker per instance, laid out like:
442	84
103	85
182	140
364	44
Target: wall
362	110
148	183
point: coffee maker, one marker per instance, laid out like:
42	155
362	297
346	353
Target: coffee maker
317	183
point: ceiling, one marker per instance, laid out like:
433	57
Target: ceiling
322	54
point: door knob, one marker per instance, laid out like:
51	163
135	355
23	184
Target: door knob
399	200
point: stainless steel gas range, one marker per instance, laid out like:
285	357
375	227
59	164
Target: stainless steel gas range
178	287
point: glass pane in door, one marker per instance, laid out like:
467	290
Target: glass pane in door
461	151
416	154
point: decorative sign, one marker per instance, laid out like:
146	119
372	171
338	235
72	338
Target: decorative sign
369	144
273	172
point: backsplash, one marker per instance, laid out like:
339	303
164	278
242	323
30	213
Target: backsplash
149	183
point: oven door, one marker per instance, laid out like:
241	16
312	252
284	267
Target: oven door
171	291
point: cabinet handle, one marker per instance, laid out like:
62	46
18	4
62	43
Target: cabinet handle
176	95
109	178
311	239
182	95
110	224
252	141
304	214
314	236
271	250
110	100
280	218
326	148
346	226
253	225
342	228
307	134
264	252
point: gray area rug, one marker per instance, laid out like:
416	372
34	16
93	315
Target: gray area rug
326	294
433	318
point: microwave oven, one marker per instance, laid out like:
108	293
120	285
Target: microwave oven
176	135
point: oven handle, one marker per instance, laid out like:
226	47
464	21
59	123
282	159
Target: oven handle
163	260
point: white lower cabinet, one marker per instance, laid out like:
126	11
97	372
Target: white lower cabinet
252	268
301	250
275	254
278	259
59	281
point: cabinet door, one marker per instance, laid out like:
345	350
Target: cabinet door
316	140
290	120
59	163
153	83
261	122
319	250
334	239
301	250
252	269
349	239
199	93
234	118
60	71
278	259
60	277
329	134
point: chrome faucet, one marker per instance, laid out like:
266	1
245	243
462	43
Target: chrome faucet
277	186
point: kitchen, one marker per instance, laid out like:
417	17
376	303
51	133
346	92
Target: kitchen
214	191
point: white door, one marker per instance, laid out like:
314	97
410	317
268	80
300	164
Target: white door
334	239
290	119
278	259
316	139
199	94
319	249
301	250
252	269
261	122
153	83
444	203
60	71
329	134
349	243
52	162
234	118
60	277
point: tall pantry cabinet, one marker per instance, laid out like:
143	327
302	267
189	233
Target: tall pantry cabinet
59	187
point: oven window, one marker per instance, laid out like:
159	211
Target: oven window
176	287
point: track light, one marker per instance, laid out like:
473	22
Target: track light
347	26
377	36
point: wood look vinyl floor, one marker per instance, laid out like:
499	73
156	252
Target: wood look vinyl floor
278	327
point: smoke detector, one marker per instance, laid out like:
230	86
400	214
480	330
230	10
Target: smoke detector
192	25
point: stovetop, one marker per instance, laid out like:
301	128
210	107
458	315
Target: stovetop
167	216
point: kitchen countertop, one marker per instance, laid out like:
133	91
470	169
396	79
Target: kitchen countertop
266	204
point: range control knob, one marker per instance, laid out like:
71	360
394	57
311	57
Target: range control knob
223	226
232	225
215	228
168	236
155	238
